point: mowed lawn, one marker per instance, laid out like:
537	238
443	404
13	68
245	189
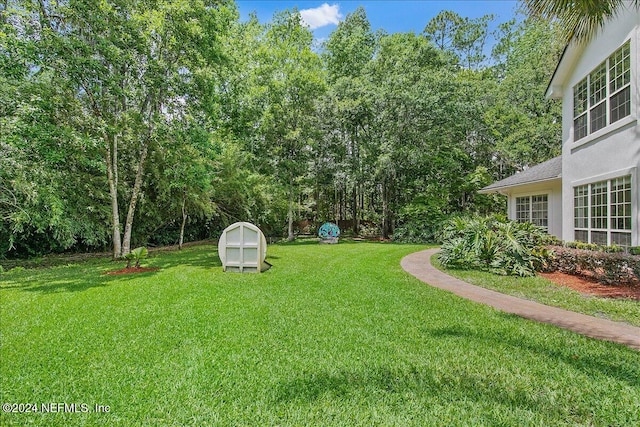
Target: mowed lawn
332	335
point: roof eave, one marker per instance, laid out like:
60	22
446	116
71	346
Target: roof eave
555	91
501	188
558	81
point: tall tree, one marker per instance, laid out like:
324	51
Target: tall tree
416	126
526	126
347	53
50	196
288	82
462	39
470	40
442	28
130	63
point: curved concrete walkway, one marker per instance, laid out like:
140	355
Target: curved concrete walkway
419	265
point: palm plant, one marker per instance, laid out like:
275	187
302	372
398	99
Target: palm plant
136	255
581	19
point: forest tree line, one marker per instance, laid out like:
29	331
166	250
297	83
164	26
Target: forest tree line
137	122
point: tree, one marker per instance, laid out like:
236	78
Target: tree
525	125
287	84
131	65
181	171
462	39
50	196
416	135
442	28
347	53
350	46
469	41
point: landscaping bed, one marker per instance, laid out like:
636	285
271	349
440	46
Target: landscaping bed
609	268
593	287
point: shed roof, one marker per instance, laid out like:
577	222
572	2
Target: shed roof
545	171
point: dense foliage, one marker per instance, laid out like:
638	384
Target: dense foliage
129	123
494	244
612	268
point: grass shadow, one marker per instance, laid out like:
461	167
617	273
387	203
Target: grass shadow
200	257
418	381
595	363
49	283
85	275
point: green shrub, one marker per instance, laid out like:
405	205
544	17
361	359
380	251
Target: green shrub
634	250
587	246
613	249
420	221
592	247
611	268
494	244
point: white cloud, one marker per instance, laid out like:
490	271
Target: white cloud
321	16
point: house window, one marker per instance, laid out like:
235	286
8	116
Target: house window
604	96
533	209
539	210
599	211
620	83
580	102
581	206
597	98
602	212
523	209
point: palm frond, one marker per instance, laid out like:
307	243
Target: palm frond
581	19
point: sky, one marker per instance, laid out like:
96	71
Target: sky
391	15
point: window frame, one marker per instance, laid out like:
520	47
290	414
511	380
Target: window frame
589	199
530	203
603	95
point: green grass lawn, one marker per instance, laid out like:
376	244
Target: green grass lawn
546	292
332	335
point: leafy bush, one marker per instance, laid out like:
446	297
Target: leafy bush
613	249
494	244
634	250
592	247
420	221
136	255
613	268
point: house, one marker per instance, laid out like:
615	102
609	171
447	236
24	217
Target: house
591	193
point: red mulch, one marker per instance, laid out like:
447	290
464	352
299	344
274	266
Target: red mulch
591	287
132	270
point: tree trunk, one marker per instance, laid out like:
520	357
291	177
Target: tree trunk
354	203
184	220
112	177
386	212
336	205
126	244
291	237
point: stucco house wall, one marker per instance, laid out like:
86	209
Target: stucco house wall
613	151
599	169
